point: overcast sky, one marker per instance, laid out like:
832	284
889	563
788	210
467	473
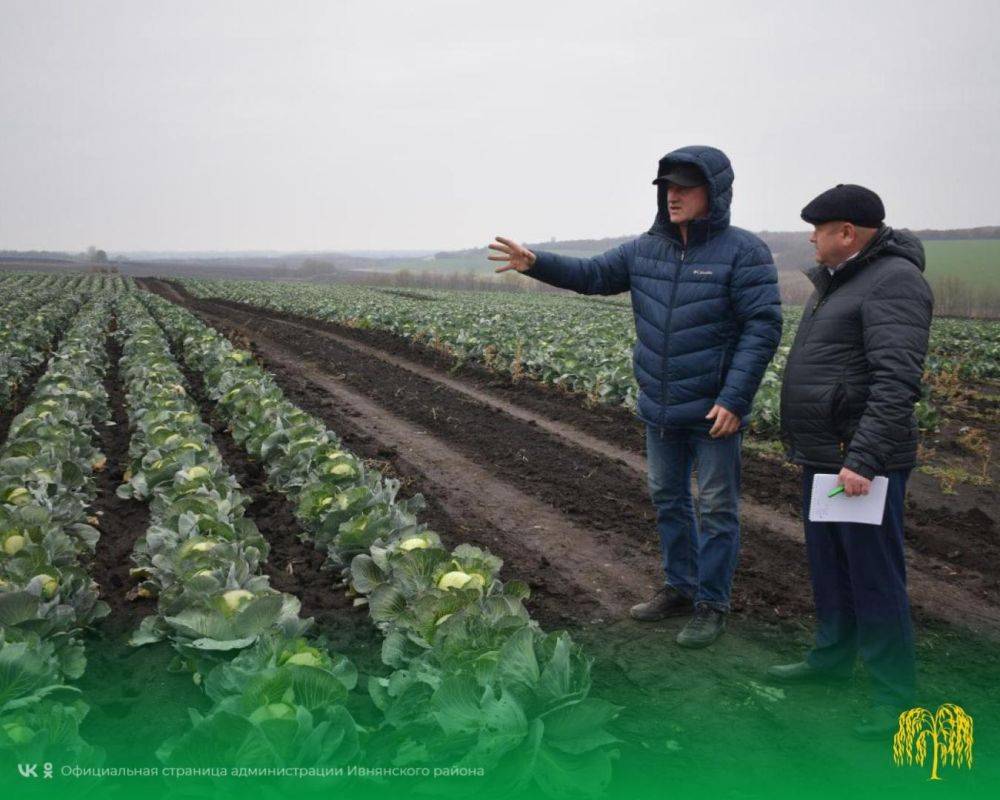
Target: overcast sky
433	124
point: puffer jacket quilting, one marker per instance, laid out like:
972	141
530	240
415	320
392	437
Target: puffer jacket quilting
707	316
853	374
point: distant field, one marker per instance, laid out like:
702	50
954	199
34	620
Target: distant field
976	261
466	263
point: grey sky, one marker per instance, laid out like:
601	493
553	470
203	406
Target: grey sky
342	124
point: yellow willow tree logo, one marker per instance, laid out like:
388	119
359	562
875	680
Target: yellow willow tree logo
949	732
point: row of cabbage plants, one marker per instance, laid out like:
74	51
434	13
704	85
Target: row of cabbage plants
277	696
578	344
47	597
29	321
473	680
25	291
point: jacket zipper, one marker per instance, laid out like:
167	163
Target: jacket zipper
788	362
670	314
822	297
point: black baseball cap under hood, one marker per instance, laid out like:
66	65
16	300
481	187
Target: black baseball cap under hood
681	173
717	172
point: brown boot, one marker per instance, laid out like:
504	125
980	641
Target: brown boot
705	626
667	602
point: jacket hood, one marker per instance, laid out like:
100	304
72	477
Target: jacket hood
887	242
718	172
905	244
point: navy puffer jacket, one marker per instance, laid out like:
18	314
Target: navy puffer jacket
707	316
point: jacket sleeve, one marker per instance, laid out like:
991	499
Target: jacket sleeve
896	322
754	297
607	273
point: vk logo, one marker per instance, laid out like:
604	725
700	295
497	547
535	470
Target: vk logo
31	770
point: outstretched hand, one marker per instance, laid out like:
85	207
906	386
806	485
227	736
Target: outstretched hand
517	256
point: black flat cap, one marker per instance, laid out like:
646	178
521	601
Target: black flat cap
846	202
681	173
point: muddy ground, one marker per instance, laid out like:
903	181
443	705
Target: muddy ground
557	490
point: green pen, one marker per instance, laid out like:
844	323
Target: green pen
836	491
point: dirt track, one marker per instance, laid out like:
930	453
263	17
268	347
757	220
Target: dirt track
533	475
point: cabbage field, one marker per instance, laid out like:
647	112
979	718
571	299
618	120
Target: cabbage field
335	538
581	344
468	674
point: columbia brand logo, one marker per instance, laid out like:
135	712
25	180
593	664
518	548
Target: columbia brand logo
703	272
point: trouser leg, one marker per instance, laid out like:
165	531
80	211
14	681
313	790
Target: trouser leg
670	464
717	462
875	555
836	629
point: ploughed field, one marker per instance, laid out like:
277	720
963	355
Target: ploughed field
343	530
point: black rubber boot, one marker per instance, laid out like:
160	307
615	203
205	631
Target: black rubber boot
802	672
879	725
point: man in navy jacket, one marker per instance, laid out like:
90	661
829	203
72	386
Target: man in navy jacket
708	320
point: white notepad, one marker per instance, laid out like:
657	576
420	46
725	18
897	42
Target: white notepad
865	508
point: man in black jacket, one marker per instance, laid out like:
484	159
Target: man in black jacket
850	385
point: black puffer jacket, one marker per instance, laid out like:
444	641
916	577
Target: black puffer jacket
853	375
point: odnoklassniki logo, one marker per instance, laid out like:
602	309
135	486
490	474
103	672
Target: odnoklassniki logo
946	735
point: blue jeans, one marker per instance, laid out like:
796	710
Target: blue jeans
699	559
858	576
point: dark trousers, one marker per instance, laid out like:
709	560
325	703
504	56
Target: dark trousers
859	584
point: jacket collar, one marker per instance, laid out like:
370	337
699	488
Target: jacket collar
699	231
823	280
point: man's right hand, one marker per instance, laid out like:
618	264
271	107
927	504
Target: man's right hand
853	483
517	256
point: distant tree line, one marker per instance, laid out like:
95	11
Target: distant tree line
985	232
36	255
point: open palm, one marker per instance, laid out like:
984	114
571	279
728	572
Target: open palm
515	255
